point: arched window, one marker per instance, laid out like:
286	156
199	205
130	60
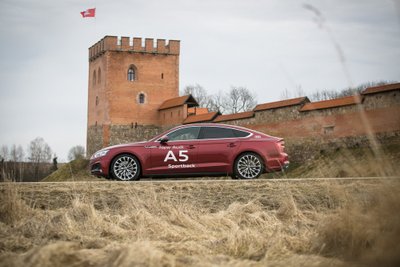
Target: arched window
94	77
97	100
141	98
99	76
132	75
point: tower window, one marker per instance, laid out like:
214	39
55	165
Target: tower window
162	75
141	98
132	75
94	77
99	76
97	100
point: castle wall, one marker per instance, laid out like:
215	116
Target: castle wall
132	133
381	100
172	116
94	141
309	132
278	114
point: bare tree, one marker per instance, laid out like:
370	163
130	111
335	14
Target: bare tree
239	99
39	153
76	152
17	156
217	102
332	94
17	153
297	92
3	159
198	92
324	95
286	94
4	152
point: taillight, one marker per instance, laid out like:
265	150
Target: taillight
281	146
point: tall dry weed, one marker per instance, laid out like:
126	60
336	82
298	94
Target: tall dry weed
12	207
366	230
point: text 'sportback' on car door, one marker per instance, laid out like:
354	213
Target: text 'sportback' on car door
176	154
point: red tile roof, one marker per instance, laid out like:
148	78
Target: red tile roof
280	104
236	116
178	101
382	88
201	118
338	102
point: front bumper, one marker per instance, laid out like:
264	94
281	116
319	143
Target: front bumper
97	169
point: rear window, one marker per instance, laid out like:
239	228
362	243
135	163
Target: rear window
238	133
216	133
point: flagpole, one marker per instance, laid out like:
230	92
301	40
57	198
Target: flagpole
95	20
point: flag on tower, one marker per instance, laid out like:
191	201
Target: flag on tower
88	13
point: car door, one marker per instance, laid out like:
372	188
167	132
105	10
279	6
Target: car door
176	156
216	149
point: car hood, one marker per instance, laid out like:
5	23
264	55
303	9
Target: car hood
125	145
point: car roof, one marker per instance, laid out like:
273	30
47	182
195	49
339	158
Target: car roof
216	125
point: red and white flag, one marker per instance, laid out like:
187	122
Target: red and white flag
88	13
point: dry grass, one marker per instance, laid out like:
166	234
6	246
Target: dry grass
351	162
202	223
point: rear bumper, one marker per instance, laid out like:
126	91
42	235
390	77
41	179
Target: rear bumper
286	165
277	164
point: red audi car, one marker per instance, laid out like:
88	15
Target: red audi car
194	150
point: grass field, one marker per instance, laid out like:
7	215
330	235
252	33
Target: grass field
74	219
201	223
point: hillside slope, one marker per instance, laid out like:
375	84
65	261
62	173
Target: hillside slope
353	162
76	170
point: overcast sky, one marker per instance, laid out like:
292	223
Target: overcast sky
265	45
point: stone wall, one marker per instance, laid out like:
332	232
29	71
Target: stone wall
94	140
307	133
121	134
108	135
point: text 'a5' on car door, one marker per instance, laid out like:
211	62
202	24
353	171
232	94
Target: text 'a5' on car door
176	152
217	146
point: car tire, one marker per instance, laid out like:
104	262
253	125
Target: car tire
248	166
234	177
125	167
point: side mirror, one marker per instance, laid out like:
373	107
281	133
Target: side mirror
164	139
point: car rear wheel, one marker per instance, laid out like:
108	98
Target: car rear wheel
248	166
125	167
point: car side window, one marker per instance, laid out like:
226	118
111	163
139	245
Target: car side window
189	133
238	133
215	133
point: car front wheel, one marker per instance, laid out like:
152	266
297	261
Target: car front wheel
125	167
248	166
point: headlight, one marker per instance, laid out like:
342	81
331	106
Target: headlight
99	154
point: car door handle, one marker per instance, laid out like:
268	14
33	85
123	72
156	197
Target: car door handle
231	145
191	147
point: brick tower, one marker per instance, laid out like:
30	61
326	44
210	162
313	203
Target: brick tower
128	82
